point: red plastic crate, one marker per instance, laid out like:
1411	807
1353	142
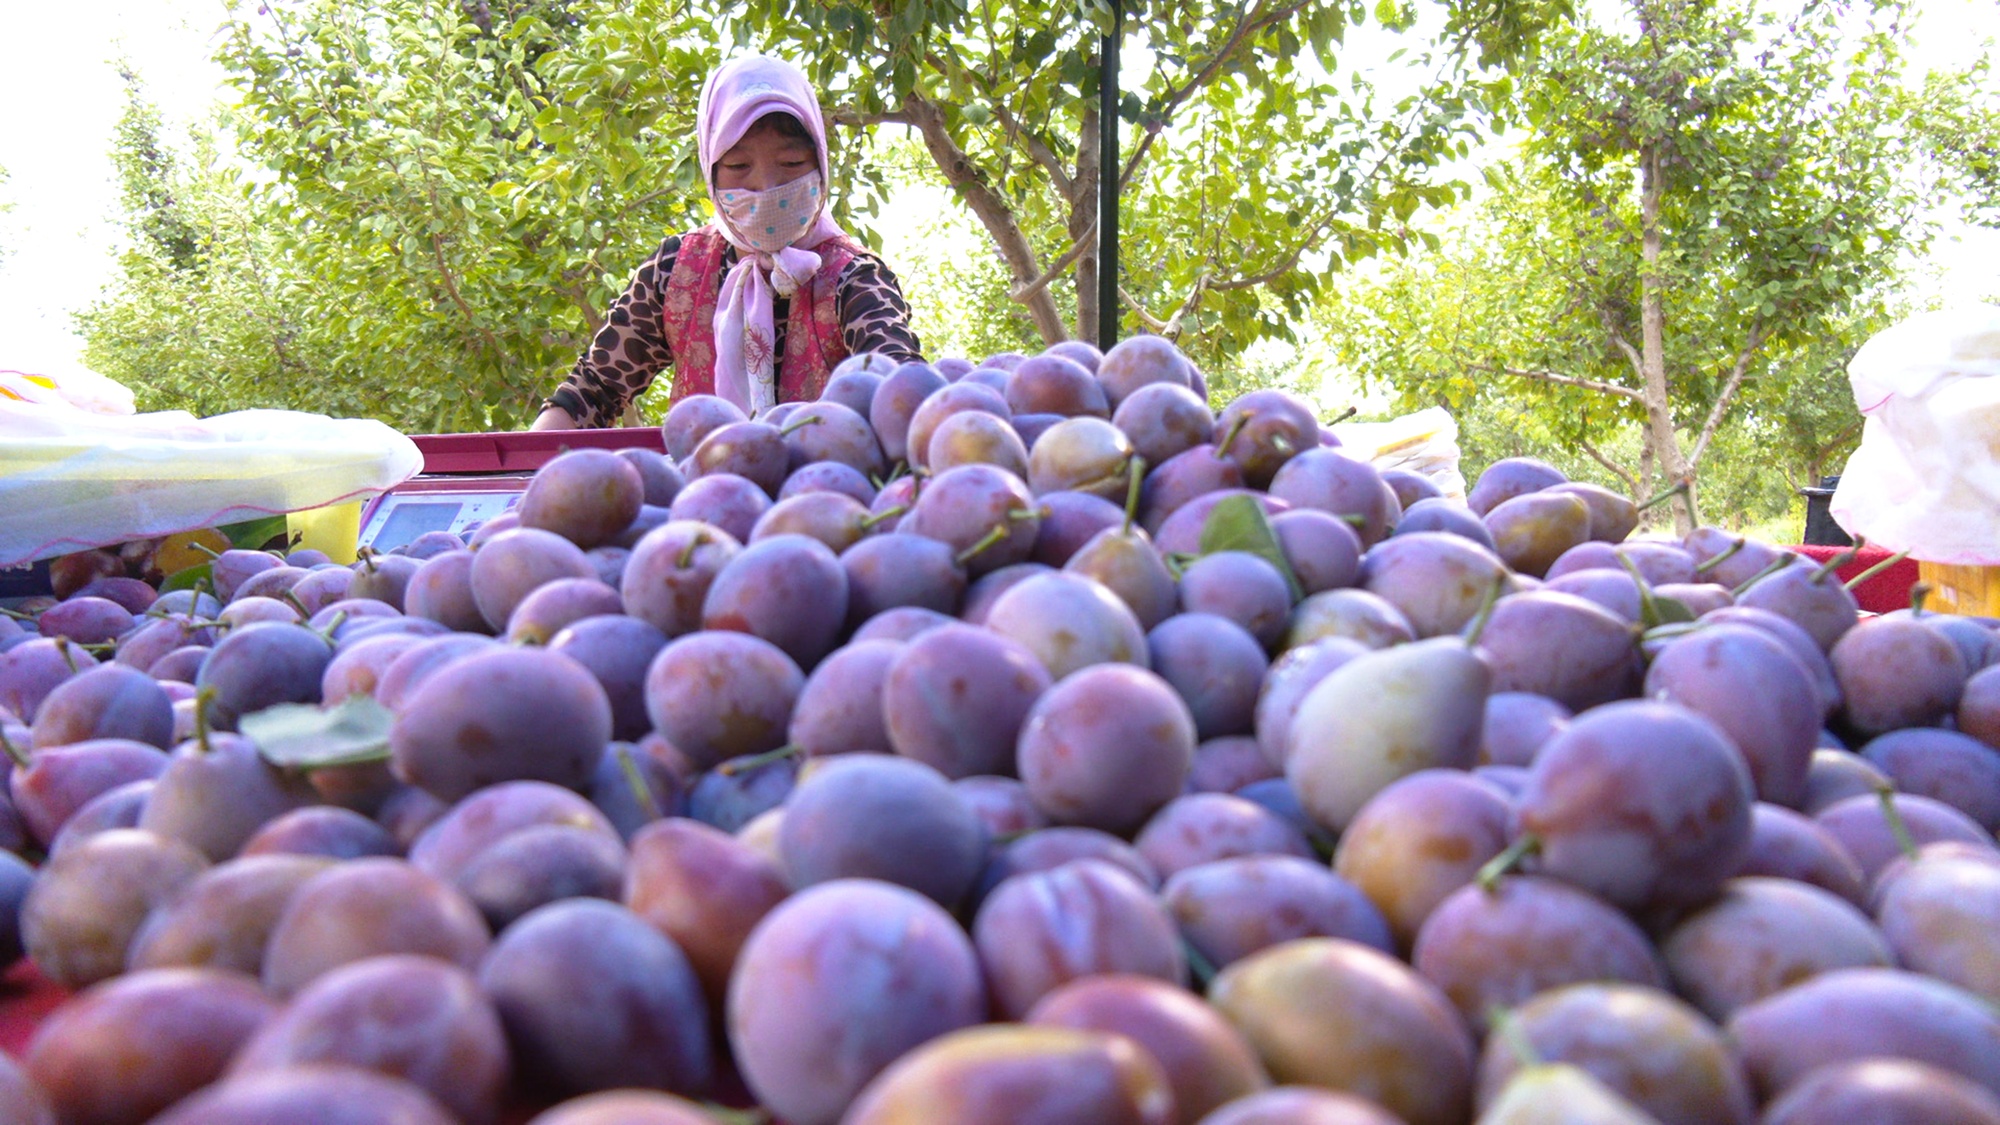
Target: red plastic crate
526	451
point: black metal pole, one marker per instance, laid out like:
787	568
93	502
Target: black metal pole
1107	186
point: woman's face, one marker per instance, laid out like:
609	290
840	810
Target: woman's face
765	158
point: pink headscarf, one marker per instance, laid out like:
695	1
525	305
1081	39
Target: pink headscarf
737	94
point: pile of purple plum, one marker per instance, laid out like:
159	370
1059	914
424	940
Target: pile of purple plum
1024	742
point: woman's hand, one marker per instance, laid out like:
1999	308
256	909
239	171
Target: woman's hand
553	418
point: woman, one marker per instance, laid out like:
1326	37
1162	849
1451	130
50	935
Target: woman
759	305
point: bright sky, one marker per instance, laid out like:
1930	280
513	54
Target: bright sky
60	99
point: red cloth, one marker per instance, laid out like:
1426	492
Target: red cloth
26	998
1888	590
815	340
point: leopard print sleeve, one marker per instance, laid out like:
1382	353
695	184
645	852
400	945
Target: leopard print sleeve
627	352
874	317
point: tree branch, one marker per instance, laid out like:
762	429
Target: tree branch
464	309
855	119
1722	401
1631	482
1553	377
1158	326
1285	265
1247	26
966	178
1038	150
1023	292
1611	333
1842	438
1170	327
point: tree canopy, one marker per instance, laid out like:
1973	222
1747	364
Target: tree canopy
419	210
1712	206
445	195
1256	158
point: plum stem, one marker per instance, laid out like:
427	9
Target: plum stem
69	658
1918	593
1503	1023
204	548
988	540
1198	963
1137	467
896	472
1773	567
203	696
333	628
292	600
1721	556
1525	845
734	766
724	1115
368	558
18	615
1344	415
1673	630
869	521
641	792
1649	606
1839	560
1235	427
1854	582
1680	488
694	543
1898	827
790	428
20	756
1485	611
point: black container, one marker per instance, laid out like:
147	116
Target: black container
26	581
1821	531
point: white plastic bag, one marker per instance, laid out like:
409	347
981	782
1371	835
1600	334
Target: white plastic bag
1926	478
67	383
1425	443
71	480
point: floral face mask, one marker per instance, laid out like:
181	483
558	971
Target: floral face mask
769	221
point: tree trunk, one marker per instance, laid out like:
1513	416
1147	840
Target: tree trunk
1083	219
1660	436
992	209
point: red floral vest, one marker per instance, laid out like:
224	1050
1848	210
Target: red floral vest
814	341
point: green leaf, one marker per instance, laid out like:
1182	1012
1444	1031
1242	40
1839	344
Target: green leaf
1657	611
304	737
253	534
1238	523
186	579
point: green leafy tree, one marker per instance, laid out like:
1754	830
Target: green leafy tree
1255	161
460	189
194	320
1712	208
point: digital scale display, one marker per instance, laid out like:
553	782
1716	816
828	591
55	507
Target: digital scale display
401	516
470	478
407	521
